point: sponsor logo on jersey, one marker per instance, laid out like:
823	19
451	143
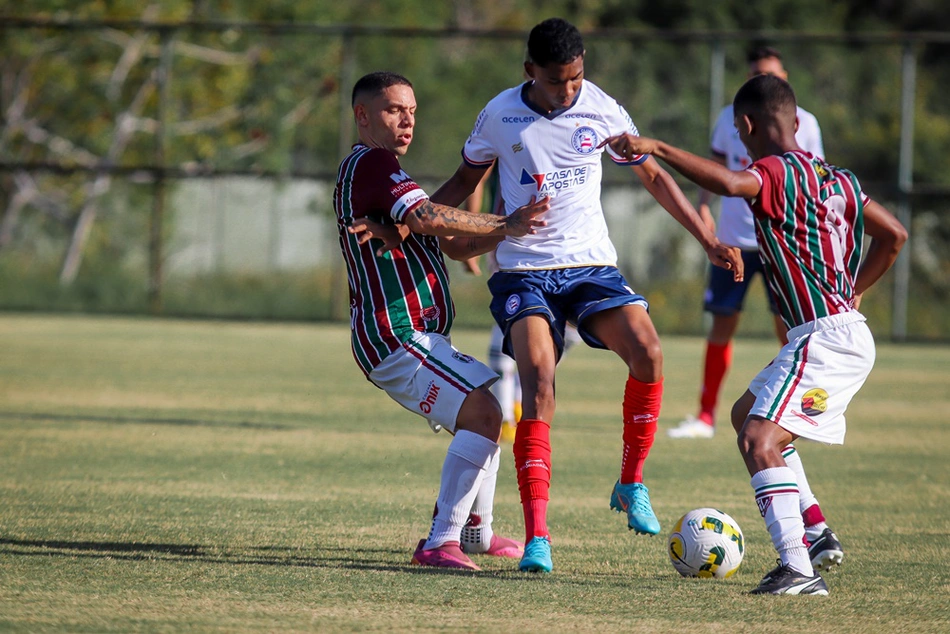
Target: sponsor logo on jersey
527	119
432	395
815	402
464	358
399	176
431	313
550	183
403	188
517	147
584	140
512	304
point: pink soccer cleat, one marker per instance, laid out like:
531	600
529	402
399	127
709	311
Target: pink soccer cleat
448	555
504	547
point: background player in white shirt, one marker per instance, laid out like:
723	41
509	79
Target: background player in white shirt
545	138
724	296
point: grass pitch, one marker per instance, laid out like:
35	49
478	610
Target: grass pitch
203	476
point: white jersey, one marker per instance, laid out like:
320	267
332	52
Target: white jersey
736	227
552	154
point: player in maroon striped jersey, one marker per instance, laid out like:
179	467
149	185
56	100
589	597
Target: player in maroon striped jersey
811	218
392	238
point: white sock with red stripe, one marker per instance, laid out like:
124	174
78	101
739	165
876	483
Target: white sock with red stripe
811	512
776	493
468	456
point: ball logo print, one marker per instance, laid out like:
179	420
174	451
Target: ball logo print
706	543
815	402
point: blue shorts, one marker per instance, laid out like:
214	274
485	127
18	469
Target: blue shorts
561	296
724	296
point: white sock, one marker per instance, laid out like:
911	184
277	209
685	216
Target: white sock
504	388
807	498
477	533
776	493
465	463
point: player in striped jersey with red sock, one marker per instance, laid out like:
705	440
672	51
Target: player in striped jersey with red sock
811	220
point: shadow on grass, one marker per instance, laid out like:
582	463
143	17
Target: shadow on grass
317	557
123	420
327	557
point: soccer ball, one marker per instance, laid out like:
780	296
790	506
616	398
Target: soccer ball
706	543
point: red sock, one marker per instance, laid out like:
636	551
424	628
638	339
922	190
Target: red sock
641	408
532	451
717	364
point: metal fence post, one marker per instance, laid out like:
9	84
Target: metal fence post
339	286
906	187
156	222
717	79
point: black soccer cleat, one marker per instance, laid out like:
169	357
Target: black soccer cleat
825	551
786	580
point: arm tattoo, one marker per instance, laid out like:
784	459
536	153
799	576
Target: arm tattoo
451	218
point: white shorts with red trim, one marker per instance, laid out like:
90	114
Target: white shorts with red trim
430	377
809	385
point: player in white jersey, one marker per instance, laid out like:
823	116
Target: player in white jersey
724	297
507	389
545	136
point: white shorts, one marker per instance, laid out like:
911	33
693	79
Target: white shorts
429	377
808	386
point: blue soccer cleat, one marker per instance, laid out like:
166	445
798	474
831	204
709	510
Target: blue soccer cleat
634	498
537	556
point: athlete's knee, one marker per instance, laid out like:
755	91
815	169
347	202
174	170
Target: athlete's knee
646	360
740	410
480	414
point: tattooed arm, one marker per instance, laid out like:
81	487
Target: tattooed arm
440	220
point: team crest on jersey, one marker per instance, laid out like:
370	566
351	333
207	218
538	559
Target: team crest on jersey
512	304
431	313
815	402
584	140
464	358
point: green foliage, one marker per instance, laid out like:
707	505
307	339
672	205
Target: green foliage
258	100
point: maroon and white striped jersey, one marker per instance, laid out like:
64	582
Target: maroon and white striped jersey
402	291
809	223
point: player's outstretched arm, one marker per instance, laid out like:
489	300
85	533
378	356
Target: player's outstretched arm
708	174
441	220
666	192
888	235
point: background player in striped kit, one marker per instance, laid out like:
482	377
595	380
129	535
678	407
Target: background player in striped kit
811	219
543	138
401	312
724	297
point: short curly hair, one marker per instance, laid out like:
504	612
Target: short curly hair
554	41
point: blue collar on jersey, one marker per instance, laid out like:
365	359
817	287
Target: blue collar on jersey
547	115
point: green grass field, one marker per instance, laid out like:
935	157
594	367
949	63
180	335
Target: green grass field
210	476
